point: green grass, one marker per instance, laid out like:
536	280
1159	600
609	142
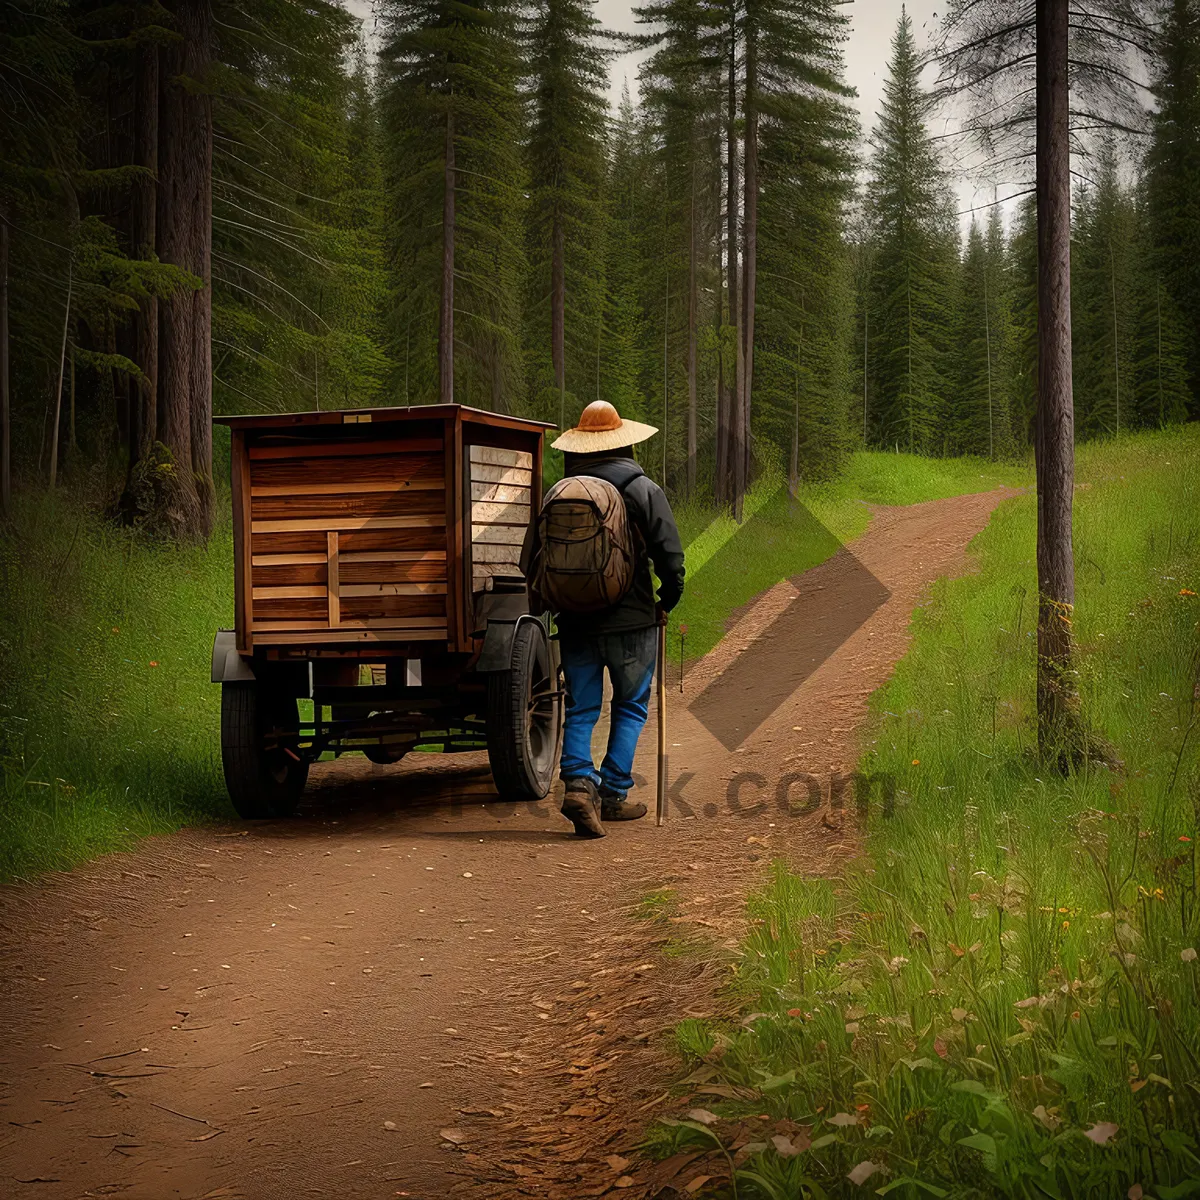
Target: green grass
1013	964
109	727
781	536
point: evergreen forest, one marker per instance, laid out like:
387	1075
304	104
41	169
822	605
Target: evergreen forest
215	206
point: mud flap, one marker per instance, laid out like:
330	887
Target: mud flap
500	615
228	666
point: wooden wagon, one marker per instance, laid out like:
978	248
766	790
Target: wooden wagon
379	602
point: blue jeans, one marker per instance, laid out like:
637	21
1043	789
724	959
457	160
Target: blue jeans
629	658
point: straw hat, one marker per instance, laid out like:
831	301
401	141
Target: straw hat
601	428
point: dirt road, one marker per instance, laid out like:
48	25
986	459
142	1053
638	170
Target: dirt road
415	989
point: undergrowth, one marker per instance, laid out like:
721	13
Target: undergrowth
1003	997
109	726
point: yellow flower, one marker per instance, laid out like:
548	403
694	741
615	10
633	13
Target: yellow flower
916	762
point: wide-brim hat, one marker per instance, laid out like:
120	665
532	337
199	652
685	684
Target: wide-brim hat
602	428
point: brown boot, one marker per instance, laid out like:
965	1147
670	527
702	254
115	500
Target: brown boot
581	806
617	808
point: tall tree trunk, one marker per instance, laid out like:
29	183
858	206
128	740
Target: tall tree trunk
1054	437
1112	264
727	434
794	465
446	324
719	421
664	435
5	401
62	362
749	268
693	318
558	311
866	343
987	334
184	229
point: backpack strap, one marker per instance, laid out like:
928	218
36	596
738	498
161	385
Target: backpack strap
640	549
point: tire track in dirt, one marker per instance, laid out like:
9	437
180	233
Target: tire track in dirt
302	1008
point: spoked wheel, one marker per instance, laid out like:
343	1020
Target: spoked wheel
260	735
524	727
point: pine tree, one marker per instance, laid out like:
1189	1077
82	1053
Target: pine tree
455	188
970	414
1174	173
67	175
567	117
1003	338
680	83
1022	282
623	347
914	261
978	412
297	217
801	366
1102	302
1159	358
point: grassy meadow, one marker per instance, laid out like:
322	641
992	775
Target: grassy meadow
1002	998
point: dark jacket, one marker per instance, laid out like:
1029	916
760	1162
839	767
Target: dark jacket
650	513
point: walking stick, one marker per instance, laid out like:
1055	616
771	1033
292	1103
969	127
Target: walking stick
661	808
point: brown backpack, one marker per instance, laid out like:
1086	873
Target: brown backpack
587	551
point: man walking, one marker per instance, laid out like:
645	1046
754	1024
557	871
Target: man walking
588	556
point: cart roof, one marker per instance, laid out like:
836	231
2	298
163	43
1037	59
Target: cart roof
418	412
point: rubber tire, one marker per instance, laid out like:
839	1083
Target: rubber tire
262	783
523	757
384	756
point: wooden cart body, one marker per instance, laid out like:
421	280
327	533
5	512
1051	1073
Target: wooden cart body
373	530
388	538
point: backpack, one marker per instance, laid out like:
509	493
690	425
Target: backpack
587	551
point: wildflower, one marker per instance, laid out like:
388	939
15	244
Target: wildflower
1186	592
1184	839
916	762
1066	924
153	663
116	630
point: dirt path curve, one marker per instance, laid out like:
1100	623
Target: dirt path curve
302	1008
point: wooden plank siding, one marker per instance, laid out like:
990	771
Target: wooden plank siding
376	527
501	489
345	535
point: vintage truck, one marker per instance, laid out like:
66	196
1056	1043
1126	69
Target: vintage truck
379	602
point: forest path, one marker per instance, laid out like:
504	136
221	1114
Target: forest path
414	989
